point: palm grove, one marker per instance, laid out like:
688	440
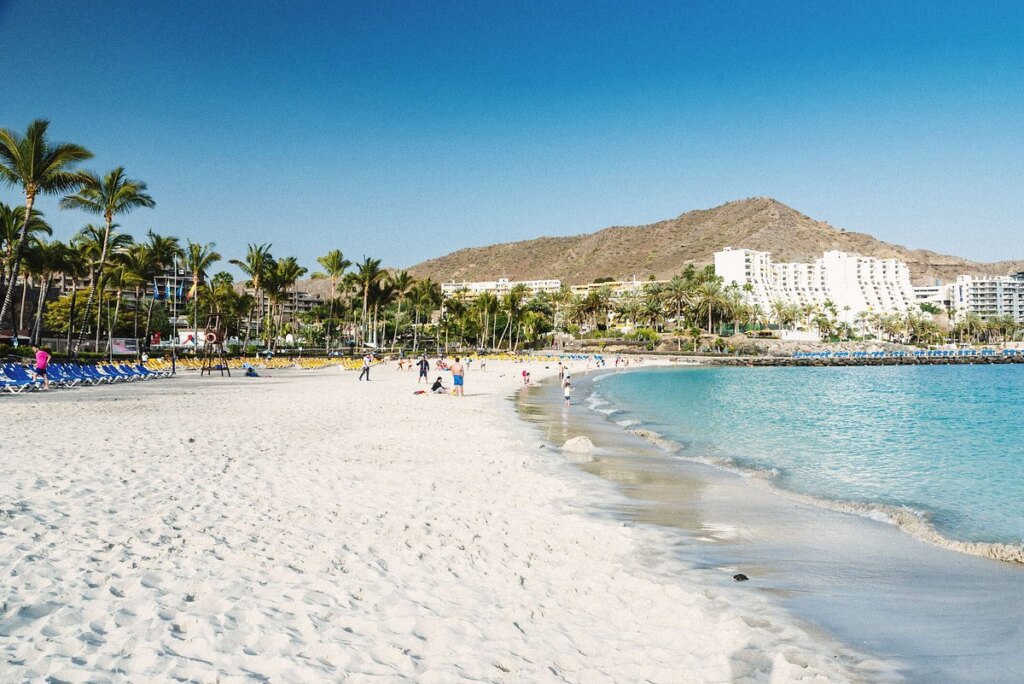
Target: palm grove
107	279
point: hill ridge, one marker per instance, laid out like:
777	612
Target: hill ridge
663	248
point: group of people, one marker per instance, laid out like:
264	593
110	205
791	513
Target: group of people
457	369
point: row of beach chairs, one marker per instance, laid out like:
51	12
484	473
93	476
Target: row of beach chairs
15	378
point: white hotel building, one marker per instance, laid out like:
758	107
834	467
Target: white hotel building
852	282
498	287
988	297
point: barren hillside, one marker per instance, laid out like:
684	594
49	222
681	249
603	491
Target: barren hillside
664	248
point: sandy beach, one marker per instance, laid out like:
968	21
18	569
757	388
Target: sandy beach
308	527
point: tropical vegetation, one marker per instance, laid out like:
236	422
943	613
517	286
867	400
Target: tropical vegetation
104	283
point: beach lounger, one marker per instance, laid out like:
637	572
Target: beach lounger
153	374
96	374
59	376
133	372
118	375
86	376
18	379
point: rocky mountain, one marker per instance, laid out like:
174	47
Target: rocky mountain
664	248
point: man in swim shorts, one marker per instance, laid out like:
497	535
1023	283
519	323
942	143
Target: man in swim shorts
458	375
424	366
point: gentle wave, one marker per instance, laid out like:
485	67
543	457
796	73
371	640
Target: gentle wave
911	521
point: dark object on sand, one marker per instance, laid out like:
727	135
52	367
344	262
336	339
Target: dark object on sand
740	577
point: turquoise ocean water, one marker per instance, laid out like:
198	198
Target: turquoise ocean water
943	441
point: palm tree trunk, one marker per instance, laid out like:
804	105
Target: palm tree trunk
37	331
195	310
398	316
248	330
135	318
71	312
92	293
416	331
149	319
99	312
330	314
113	322
362	322
16	264
24	296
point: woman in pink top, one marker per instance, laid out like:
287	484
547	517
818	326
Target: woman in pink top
42	361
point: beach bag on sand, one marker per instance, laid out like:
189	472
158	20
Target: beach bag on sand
420	392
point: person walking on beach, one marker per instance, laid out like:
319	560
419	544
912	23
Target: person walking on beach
424	366
458	376
42	361
367	360
567	391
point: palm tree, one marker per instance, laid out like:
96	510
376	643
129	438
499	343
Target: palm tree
734	301
487	305
425	297
110	196
709	298
401	284
383	295
137	268
368	274
677	292
54	258
125	274
89	241
198	260
256	267
12	220
40	168
288	274
163	252
334	264
31	268
75	267
629	308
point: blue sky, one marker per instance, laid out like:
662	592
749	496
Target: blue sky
405	130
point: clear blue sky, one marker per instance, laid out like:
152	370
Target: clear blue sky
405	130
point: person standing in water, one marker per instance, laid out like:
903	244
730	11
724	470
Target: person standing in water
567	391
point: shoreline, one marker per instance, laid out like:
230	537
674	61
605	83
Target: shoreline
305	526
752	525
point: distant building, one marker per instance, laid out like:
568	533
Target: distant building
937	295
618	288
989	296
853	283
498	287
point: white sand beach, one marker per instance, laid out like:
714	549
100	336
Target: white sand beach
307	527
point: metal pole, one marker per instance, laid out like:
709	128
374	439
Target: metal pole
174	323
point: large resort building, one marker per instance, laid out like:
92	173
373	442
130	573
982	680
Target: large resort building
499	287
988	297
853	283
502	286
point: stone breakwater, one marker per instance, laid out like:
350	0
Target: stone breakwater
847	361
